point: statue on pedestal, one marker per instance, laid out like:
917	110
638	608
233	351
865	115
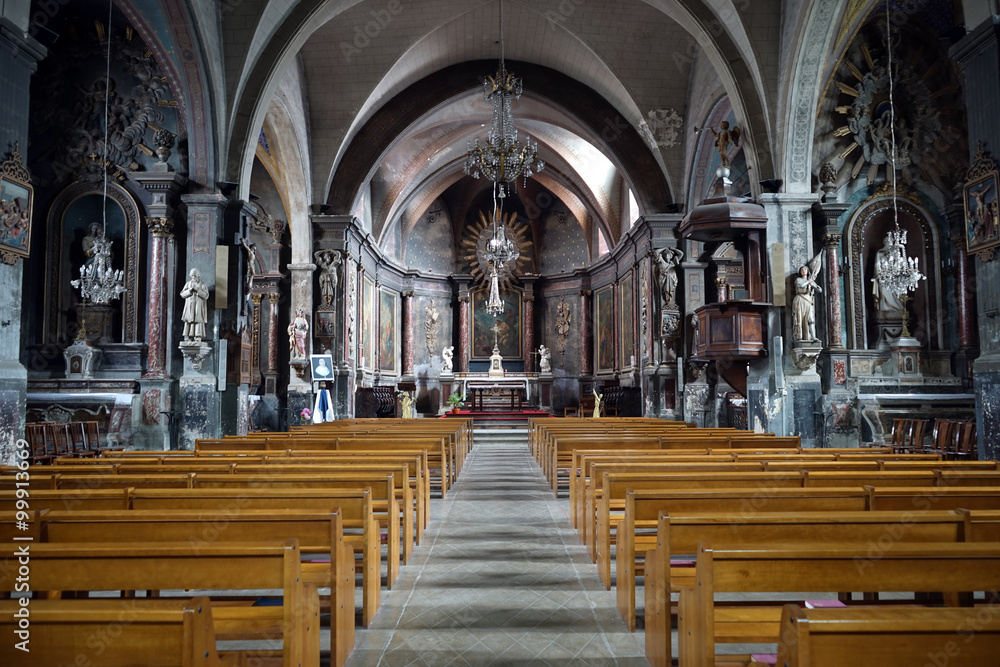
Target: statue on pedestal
328	261
803	305
298	330
544	359
667	261
195	315
447	359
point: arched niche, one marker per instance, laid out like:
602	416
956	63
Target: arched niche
865	235
71	213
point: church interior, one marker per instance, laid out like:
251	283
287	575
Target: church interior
770	224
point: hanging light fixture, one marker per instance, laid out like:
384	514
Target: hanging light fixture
502	159
99	282
893	269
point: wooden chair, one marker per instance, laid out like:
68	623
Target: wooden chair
78	440
35	435
60	439
92	432
900	434
965	441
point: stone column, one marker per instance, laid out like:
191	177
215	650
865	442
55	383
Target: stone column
586	333
299	390
161	229
19	54
256	299
409	336
978	54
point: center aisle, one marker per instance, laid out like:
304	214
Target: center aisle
501	578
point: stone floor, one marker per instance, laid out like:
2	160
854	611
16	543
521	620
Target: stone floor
500	579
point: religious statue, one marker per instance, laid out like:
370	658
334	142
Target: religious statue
328	261
803	305
667	261
94	232
447	359
406	403
195	314
887	302
598	403
432	322
723	138
695	335
544	359
298	330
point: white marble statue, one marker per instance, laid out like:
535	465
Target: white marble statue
887	302
195	314
447	359
544	359
298	330
804	305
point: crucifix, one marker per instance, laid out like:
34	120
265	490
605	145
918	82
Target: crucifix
496	334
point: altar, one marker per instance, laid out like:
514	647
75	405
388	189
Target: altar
477	387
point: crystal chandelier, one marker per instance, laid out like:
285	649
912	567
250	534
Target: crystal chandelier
502	159
897	272
494	306
99	282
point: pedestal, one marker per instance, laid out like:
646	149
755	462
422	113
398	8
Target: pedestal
545	391
496	364
905	359
200	402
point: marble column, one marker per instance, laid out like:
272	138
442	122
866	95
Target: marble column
256	299
161	229
464	334
834	318
273	299
964	297
409	335
528	333
586	333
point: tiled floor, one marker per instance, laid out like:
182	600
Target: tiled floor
500	579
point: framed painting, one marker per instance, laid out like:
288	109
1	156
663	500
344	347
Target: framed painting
388	335
322	367
982	219
508	332
16	199
605	328
367	324
326	324
626	322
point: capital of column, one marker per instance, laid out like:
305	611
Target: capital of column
463	298
586	292
256	298
832	239
407	294
961	241
162	227
274	297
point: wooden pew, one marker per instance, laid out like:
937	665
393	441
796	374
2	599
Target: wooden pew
172	566
614	487
888	637
68	499
935	497
904	568
678	534
320	533
360	527
115	633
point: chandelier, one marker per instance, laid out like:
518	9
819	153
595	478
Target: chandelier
502	159
494	306
99	282
897	272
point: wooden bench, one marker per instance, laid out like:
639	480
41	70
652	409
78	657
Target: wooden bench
678	535
320	533
115	633
889	637
360	526
903	568
225	566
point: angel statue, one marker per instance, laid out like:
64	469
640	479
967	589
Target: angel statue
598	403
447	359
723	138
803	306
